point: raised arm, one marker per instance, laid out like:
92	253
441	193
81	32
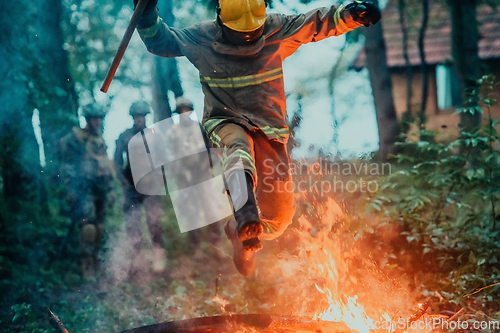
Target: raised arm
161	39
321	23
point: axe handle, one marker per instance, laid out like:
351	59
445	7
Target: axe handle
139	9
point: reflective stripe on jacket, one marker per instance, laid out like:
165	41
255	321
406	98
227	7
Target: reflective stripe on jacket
243	84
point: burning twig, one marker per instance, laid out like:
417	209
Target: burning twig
456	315
56	322
416	316
438	295
420	312
217	299
491	285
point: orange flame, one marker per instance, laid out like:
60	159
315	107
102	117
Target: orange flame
338	287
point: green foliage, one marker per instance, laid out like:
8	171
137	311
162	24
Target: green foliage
443	200
21	310
24	315
93	31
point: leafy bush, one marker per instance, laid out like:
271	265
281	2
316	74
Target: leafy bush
443	201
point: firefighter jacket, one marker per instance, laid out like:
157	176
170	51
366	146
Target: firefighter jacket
243	84
84	157
121	158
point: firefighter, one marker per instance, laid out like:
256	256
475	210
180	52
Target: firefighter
87	174
135	201
239	57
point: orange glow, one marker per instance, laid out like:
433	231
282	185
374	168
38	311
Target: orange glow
359	295
222	302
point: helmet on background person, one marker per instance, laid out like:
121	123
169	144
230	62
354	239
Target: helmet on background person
242	20
93	110
183	104
139	109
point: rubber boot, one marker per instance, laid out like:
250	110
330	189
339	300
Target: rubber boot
159	259
243	260
240	186
88	238
88	267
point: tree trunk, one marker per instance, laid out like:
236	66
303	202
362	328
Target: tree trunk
380	79
331	89
407	116
293	124
19	156
165	73
57	117
423	63
464	37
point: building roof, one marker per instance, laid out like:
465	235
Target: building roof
437	43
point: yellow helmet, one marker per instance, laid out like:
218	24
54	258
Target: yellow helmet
242	15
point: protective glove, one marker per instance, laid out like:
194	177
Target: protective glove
151	4
364	12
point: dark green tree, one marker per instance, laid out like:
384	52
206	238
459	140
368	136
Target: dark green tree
55	88
165	76
22	90
380	79
464	47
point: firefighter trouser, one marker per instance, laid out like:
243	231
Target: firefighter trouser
88	209
132	210
267	163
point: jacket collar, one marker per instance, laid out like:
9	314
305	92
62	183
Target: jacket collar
220	45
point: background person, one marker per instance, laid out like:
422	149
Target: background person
87	174
135	201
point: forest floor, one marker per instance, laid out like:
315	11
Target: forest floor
126	293
196	283
336	261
